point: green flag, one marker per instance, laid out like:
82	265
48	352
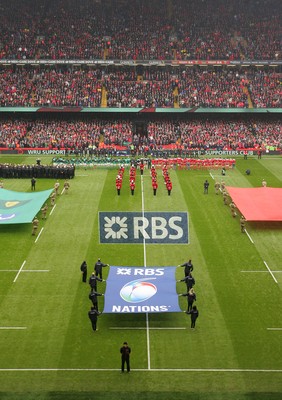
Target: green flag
20	208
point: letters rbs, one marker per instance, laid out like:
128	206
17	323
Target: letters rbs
152	227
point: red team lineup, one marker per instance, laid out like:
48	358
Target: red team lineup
132	177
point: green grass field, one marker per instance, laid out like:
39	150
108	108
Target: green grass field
232	354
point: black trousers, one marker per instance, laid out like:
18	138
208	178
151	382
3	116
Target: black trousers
123	362
94	325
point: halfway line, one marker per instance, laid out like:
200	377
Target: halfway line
143	328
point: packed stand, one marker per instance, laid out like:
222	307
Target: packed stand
197	87
144	30
93	137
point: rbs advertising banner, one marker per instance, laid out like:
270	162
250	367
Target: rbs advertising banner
150	227
141	290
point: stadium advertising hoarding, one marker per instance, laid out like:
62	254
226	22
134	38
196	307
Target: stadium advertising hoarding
141	290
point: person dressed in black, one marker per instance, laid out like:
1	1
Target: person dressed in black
189	280
206	187
188	267
194	315
83	269
99	267
93	316
191	297
93	296
33	182
125	351
93	281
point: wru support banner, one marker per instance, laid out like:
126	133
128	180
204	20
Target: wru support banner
141	290
20	208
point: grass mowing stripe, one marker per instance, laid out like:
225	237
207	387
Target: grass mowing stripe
143	370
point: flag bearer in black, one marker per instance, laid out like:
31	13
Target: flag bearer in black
191	297
125	351
93	281
188	267
99	267
93	316
194	315
189	280
93	296
83	269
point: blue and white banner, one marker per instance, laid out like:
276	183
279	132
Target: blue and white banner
141	290
151	227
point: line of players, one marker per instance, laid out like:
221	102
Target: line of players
190	294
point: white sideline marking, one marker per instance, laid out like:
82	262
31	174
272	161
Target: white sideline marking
62	192
140	370
13	327
19	271
275	280
53	208
274	329
249	236
211	175
142	328
41	230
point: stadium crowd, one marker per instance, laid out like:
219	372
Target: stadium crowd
144	30
93	136
82	87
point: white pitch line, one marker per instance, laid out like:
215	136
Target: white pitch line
274	329
41	230
211	175
19	271
275	280
145	265
142	370
53	208
12	327
29	270
144	328
62	192
249	236
265	272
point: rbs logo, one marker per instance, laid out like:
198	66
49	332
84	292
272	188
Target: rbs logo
152	227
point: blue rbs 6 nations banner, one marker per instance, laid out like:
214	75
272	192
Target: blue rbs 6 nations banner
149	227
20	208
141	290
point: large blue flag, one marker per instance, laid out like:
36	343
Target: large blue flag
19	207
141	290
